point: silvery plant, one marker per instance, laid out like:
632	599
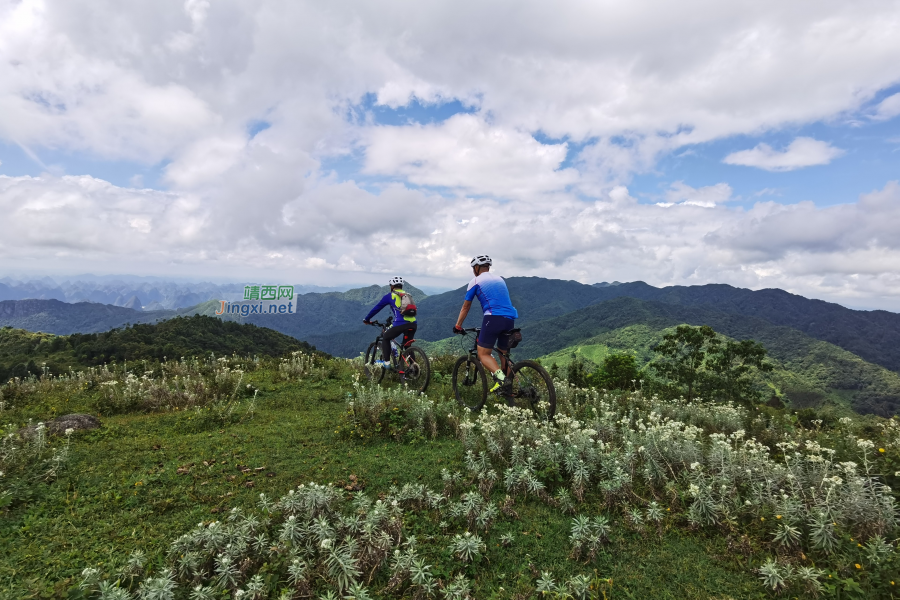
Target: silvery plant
698	456
314	533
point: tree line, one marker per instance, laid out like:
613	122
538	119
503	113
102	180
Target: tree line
690	362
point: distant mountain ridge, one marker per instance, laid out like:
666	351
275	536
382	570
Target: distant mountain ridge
333	320
842	354
147	295
63	318
872	335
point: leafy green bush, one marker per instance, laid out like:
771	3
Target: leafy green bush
696	362
618	372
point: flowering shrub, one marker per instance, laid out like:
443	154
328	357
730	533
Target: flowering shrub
310	543
800	495
397	412
301	365
18	391
169	385
26	460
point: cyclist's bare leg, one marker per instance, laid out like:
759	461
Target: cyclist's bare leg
504	363
487	359
484	355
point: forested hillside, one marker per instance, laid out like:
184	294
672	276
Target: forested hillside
23	353
806	365
873	335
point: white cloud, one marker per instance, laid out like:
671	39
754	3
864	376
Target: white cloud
705	197
88	217
846	252
802	152
131	81
177	83
888	108
468	154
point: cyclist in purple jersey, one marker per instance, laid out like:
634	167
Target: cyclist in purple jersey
404	325
499	316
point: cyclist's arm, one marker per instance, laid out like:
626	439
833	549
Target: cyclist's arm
381	304
463	312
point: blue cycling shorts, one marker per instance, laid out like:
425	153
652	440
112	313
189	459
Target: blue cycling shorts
494	330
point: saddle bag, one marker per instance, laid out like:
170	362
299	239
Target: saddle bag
515	336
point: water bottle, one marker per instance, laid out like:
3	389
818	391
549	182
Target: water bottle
394	348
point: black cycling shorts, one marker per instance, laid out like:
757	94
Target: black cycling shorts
495	330
407	330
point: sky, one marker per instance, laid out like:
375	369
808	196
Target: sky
749	143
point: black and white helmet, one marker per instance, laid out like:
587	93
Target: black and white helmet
481	260
396	281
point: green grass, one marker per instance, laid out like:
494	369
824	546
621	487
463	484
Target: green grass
122	491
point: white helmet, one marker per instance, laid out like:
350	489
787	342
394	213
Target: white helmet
481	260
396	281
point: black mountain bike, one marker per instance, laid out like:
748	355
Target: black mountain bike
528	385
409	362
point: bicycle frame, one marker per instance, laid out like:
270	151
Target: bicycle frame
402	348
506	361
523	386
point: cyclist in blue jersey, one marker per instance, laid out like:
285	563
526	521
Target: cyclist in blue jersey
499	316
403	324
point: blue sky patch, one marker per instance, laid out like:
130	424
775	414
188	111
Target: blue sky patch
16	161
871	158
572	150
415	112
256	126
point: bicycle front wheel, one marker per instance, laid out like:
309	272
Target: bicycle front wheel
533	389
470	383
373	371
416	369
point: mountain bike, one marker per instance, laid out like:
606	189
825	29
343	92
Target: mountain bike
528	385
409	362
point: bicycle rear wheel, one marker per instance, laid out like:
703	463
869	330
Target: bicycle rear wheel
532	388
373	372
417	368
470	383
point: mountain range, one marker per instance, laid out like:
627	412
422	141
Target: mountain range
148	294
821	348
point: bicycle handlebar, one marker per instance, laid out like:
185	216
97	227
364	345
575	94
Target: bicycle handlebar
469	330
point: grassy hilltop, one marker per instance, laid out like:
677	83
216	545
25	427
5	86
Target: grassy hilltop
193	481
24	353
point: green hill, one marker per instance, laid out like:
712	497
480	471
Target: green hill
23	352
873	335
805	366
824	350
63	318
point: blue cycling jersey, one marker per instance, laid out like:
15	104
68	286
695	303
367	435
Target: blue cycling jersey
493	294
